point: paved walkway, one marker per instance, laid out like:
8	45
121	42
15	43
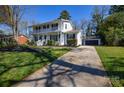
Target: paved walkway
80	67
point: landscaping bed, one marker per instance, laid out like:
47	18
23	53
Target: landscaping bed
113	61
16	65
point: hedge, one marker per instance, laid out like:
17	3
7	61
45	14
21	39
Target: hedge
71	42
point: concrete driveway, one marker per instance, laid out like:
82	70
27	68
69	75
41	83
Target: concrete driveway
80	67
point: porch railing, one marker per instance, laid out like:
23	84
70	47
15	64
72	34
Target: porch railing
45	30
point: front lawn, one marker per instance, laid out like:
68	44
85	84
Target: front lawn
16	65
113	61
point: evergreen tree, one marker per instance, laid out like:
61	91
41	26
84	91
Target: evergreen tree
116	8
65	15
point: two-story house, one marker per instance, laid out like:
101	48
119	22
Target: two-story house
59	30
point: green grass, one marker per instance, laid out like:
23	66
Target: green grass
113	61
14	66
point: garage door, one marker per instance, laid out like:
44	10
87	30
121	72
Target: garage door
91	42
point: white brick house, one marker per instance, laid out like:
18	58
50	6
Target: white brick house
58	30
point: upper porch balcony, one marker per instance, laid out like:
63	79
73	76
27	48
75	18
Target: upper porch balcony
45	28
55	29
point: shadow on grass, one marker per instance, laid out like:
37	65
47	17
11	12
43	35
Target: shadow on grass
38	53
115	69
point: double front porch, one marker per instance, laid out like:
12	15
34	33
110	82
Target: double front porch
59	38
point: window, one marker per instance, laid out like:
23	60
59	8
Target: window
56	24
45	37
74	36
65	26
71	36
54	37
36	28
40	37
52	25
35	38
47	26
39	27
44	27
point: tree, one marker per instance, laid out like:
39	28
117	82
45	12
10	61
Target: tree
96	18
23	26
65	15
75	25
116	9
98	15
5	13
113	29
89	29
83	27
1	32
83	24
16	16
11	15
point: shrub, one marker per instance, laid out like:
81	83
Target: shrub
32	42
8	43
56	43
13	42
121	42
3	44
51	42
71	42
114	36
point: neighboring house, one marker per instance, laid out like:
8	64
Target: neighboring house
22	39
59	30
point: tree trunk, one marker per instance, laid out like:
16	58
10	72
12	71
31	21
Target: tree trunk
14	34
16	30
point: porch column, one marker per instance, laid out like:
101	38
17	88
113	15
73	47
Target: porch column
42	39
99	41
65	39
47	38
58	37
38	37
79	40
61	38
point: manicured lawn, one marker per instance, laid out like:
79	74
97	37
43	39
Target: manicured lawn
113	61
15	65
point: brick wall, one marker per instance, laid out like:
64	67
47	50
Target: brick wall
22	39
